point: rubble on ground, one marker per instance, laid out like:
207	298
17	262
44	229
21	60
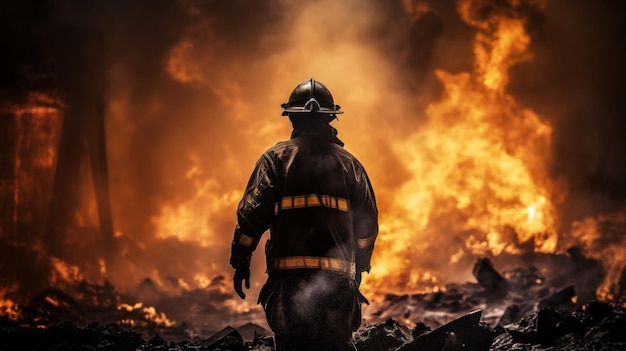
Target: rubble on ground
518	309
595	326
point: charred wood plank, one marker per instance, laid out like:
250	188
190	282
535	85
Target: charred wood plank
227	338
564	299
487	277
463	333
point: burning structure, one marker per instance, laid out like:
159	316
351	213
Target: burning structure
489	128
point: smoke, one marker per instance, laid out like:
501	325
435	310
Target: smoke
316	287
576	80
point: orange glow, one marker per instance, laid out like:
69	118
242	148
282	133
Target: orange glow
103	267
193	219
149	313
476	180
64	272
587	233
39	121
9	308
415	9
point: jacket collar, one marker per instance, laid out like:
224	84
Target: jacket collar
321	132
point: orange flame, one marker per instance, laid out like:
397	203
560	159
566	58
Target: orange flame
477	168
588	232
193	218
9	308
478	181
64	272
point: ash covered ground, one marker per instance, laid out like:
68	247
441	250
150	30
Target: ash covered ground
523	308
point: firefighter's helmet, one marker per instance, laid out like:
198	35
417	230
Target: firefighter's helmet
311	96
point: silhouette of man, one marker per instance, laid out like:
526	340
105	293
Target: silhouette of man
318	203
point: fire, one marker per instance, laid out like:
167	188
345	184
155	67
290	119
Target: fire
477	168
588	232
149	313
478	183
194	219
9	308
35	125
64	272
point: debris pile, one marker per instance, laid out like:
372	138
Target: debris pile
595	326
503	297
519	309
84	303
387	335
113	337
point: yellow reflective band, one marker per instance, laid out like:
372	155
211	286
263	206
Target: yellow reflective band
342	204
326	263
325	200
312	200
367	242
246	240
286	202
299	201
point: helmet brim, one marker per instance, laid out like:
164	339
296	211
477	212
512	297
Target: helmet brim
302	110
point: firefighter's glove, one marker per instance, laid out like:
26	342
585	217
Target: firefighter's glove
241	275
362	298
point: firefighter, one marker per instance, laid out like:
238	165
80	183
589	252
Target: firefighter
318	204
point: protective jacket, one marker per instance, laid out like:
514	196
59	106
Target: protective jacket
317	202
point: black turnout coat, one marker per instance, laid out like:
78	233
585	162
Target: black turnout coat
316	200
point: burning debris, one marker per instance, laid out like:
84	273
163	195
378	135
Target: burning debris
86	302
548	325
534	312
518	293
